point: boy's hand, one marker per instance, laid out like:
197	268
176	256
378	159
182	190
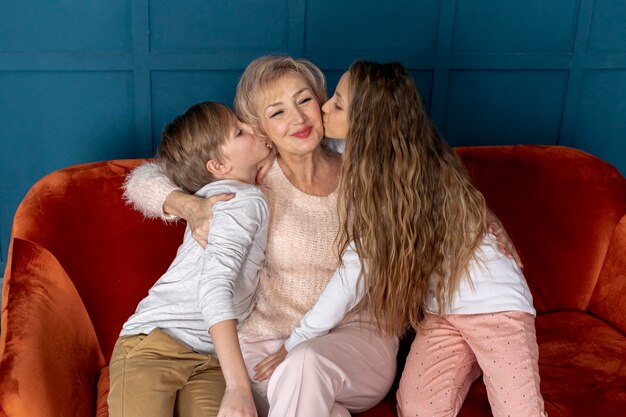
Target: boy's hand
237	402
265	368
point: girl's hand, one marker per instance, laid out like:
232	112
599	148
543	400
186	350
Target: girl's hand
237	402
265	368
502	237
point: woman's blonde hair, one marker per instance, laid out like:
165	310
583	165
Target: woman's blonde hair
191	140
265	70
405	199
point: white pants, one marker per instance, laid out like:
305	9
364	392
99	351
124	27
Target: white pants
349	370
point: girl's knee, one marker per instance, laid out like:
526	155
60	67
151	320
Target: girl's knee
424	408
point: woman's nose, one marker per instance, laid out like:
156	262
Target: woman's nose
298	116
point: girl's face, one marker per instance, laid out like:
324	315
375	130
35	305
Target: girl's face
335	110
290	115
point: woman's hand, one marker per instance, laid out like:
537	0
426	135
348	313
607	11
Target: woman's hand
237	402
494	226
265	368
197	211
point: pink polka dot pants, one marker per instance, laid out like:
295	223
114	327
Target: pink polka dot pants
449	353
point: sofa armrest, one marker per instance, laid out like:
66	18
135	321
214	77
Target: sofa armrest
609	298
50	358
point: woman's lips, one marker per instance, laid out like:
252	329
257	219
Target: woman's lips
303	133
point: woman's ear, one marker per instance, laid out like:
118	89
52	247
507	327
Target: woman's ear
217	168
259	134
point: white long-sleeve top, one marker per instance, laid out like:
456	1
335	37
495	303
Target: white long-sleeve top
342	294
495	284
203	287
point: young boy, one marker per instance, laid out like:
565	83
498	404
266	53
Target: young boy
164	362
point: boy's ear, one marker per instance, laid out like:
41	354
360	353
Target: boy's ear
216	167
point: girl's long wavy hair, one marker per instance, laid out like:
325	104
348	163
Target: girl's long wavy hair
405	199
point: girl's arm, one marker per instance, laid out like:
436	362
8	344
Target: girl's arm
342	294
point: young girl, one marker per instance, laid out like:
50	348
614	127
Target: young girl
418	227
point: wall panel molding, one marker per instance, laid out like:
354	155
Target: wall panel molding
82	81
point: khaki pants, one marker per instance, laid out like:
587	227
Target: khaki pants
156	375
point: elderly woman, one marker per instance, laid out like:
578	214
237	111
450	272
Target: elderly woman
351	368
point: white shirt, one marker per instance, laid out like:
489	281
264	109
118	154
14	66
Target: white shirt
342	294
497	285
203	287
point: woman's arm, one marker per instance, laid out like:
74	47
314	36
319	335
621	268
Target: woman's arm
148	190
495	227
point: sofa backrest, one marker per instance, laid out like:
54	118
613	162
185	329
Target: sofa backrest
561	207
110	252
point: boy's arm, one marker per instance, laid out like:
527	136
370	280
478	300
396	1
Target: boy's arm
342	294
235	225
237	400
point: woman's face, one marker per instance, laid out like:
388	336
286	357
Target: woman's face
290	115
335	110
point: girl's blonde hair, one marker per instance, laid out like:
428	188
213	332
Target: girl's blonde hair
405	199
265	70
191	140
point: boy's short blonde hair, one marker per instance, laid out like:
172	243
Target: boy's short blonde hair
265	70
191	140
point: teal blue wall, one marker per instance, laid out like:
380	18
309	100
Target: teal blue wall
87	80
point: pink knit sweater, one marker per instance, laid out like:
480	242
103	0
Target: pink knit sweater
300	257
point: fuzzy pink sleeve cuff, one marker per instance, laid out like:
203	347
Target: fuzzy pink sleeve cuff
146	188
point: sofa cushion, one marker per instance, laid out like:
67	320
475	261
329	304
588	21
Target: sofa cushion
582	368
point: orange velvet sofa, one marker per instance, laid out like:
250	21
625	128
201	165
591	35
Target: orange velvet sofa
80	260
